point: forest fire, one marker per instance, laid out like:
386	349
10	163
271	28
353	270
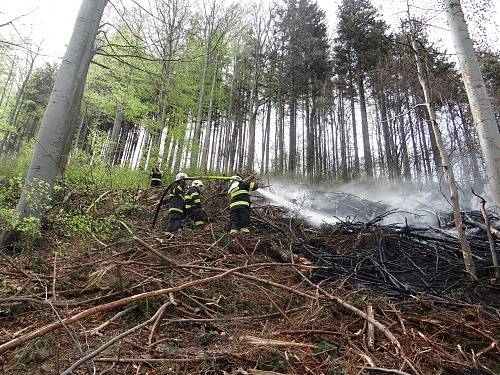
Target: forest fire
374	244
138	234
269	300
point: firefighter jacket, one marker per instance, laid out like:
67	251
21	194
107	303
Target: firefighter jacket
176	199
156	176
192	199
240	195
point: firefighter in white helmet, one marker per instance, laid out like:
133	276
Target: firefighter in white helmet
239	209
176	204
194	205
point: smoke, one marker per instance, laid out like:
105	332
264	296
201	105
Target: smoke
363	201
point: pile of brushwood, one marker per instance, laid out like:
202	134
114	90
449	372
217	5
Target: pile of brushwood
355	298
341	204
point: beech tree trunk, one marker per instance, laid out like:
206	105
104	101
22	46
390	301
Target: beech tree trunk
38	188
448	170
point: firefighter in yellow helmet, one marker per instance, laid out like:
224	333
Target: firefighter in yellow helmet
194	205
239	209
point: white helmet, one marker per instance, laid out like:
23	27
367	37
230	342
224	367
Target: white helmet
237	178
180	176
197	183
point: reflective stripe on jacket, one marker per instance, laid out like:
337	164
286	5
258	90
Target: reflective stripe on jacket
156	176
192	198
240	196
176	200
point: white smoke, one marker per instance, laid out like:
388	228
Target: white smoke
415	204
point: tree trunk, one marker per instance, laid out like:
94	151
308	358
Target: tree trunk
7	82
292	156
390	158
416	159
208	133
38	188
281	135
402	140
266	130
471	149
341	121
355	139
115	134
253	109
464	244
22	90
364	128
479	101
311	147
195	143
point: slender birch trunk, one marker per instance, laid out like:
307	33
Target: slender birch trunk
479	101
448	170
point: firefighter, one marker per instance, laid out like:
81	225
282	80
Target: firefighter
156	175
176	204
239	209
193	204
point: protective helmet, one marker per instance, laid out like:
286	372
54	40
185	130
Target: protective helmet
197	183
180	176
238	178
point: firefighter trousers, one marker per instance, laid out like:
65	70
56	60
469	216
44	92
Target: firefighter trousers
174	221
240	217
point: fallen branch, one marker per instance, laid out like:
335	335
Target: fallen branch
489	232
160	360
109	306
54	278
279	343
158	318
152	249
96	330
357	311
370	335
91	355
387	370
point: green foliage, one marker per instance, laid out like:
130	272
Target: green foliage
87	174
15	167
35	351
361	36
327	351
121	83
10	287
84	178
273	360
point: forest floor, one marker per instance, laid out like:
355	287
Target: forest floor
284	299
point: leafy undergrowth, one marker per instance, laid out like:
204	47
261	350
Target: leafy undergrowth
220	305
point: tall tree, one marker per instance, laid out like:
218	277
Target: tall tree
447	166
480	103
45	164
361	37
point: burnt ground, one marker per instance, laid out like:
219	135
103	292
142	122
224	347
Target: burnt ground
284	299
